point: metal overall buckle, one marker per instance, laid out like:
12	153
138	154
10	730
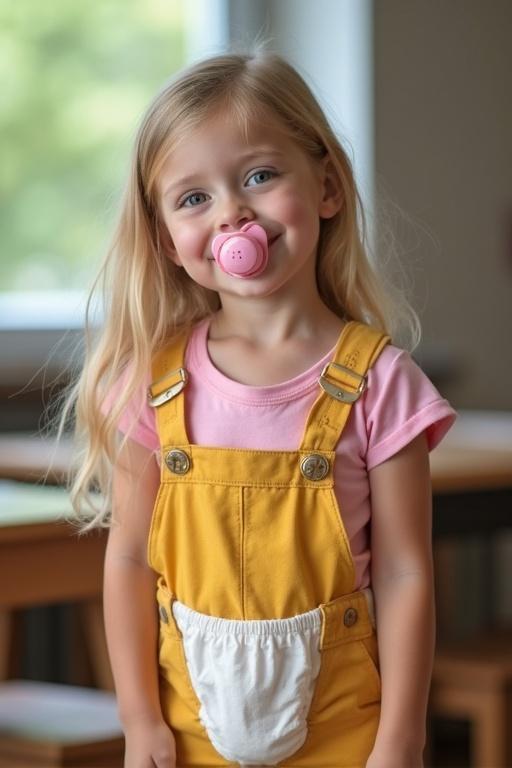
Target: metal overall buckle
336	391
169	392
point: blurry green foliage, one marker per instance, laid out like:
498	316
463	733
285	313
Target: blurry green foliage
76	77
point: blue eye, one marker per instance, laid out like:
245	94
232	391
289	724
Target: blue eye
190	201
260	177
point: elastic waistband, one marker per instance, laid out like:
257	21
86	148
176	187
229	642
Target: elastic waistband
347	618
186	617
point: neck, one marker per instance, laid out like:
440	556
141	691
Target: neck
269	321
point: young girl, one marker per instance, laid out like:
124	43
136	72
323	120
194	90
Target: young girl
262	443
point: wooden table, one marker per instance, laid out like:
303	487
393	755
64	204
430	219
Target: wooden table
472	475
46	725
475	455
43	561
471	468
33	459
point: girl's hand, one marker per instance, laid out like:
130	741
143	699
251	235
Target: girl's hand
149	744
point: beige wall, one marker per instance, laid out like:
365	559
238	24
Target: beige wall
443	142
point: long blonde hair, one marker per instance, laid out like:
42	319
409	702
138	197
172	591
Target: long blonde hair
147	299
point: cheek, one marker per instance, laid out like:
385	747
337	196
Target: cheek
294	210
303	222
187	240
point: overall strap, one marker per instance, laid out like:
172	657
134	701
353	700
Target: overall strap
169	379
343	381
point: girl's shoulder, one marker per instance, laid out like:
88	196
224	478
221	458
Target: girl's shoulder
137	419
393	360
396	369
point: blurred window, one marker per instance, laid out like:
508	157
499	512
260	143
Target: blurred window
76	77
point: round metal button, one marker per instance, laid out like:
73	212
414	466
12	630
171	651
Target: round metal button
350	617
314	467
178	462
163	614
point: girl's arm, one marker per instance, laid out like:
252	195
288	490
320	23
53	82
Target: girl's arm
403	584
130	610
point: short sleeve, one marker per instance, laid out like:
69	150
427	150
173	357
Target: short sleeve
137	420
400	403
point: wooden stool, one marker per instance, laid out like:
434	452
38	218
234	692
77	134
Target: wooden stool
48	725
474	683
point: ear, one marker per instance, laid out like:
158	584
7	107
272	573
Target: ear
166	244
332	197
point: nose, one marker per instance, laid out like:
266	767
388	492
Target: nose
235	212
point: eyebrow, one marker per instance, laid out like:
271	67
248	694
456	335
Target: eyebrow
185	180
261	151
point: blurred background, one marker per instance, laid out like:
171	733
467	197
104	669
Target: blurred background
420	94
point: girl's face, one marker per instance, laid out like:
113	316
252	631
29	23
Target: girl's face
216	180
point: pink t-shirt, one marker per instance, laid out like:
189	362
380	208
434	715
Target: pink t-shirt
399	403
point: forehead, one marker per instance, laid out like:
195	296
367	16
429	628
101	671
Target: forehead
224	137
243	126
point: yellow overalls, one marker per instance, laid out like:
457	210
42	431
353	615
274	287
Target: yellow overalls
254	537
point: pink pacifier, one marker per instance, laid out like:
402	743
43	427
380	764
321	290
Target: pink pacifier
243	253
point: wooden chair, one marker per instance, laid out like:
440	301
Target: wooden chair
47	726
474	683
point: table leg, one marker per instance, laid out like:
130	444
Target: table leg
489	735
10	643
5	643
